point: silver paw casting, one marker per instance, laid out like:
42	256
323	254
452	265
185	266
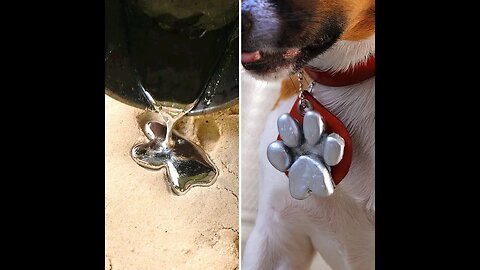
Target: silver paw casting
306	152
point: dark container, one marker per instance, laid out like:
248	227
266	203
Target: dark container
179	65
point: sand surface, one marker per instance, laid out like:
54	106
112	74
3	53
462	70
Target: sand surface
147	227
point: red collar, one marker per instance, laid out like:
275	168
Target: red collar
353	75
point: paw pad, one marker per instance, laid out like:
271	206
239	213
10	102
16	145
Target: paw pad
306	152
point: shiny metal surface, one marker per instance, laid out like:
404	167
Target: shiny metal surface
309	175
304	106
333	149
307	154
186	164
279	156
313	127
289	130
174	58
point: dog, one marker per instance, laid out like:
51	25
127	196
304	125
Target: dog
279	39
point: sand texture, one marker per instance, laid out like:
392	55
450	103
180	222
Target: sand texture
146	225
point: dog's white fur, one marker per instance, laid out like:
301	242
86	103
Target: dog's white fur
344	54
341	227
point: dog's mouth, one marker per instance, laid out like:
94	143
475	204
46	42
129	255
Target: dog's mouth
251	57
263	62
271	61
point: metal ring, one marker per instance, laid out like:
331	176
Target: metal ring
304	106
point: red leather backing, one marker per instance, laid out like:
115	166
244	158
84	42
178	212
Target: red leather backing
333	124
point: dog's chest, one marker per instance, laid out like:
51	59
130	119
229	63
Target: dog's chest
354	106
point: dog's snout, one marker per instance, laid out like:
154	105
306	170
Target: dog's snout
260	25
247	23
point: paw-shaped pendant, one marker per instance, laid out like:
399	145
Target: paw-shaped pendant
187	165
306	154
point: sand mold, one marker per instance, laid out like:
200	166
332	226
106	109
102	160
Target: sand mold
147	227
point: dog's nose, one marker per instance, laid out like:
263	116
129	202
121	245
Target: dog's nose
246	23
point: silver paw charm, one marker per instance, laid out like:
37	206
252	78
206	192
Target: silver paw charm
186	164
306	153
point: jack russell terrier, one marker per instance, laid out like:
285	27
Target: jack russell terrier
306	204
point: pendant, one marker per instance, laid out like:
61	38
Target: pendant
313	148
187	165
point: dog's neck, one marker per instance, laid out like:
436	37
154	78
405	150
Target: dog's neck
354	105
351	103
344	54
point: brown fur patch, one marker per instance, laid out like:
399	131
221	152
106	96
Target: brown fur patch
361	25
289	89
361	17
